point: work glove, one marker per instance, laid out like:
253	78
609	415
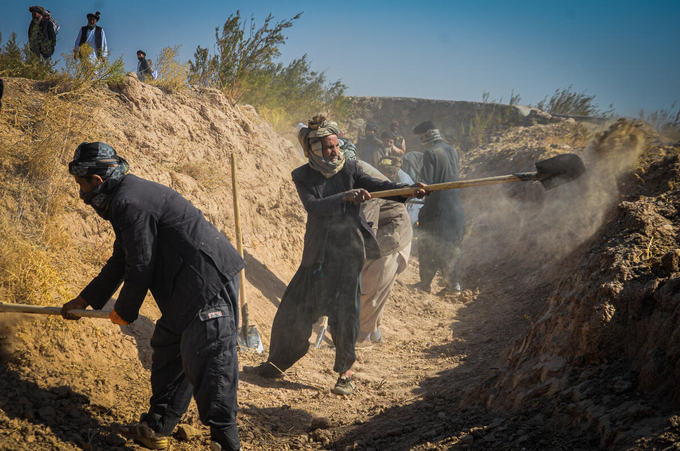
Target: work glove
77	303
115	319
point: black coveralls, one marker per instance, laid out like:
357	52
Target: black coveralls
328	281
164	244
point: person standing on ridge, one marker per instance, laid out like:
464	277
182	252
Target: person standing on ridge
143	67
42	38
93	35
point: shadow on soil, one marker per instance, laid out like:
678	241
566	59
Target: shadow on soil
442	413
266	281
66	413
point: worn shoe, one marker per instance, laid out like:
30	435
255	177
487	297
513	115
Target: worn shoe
266	370
144	435
214	446
419	286
343	386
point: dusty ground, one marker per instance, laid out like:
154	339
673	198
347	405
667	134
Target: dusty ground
447	375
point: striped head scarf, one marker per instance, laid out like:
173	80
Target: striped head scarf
310	139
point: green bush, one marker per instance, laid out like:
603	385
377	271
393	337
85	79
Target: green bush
16	61
244	68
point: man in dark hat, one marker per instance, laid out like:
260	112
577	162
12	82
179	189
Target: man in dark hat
94	36
164	244
368	143
42	38
442	220
143	68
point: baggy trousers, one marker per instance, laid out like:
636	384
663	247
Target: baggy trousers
437	252
377	280
336	294
201	361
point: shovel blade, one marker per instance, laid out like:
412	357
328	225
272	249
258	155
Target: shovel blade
559	170
251	340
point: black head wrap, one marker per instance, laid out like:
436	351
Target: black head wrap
95	16
371	127
142	52
100	159
423	127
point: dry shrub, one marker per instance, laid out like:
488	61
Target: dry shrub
172	75
35	189
30	271
80	74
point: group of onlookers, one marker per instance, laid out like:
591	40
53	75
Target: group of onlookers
42	35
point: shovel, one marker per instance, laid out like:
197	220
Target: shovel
24	308
322	332
552	173
248	336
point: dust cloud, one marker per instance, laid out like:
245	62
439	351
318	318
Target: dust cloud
525	226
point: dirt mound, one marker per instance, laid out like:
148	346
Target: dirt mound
603	356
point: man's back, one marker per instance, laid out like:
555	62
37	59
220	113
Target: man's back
443	209
165	245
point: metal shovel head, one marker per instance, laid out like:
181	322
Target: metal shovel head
559	170
251	340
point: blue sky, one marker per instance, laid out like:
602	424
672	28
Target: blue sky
627	53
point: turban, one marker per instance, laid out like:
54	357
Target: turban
318	128
97	158
94	16
36	9
142	52
310	139
423	128
371	127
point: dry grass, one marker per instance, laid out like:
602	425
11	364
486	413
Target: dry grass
172	75
38	132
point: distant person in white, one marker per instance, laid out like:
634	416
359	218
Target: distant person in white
93	35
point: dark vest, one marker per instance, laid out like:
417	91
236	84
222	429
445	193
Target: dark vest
97	38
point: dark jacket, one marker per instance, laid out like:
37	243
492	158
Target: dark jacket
442	213
163	244
412	164
366	145
321	210
41	38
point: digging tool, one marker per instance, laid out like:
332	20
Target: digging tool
24	308
248	337
322	332
552	173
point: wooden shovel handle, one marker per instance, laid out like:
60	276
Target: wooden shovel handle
511	178
239	247
24	308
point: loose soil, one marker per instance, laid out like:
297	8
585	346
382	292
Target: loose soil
506	365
